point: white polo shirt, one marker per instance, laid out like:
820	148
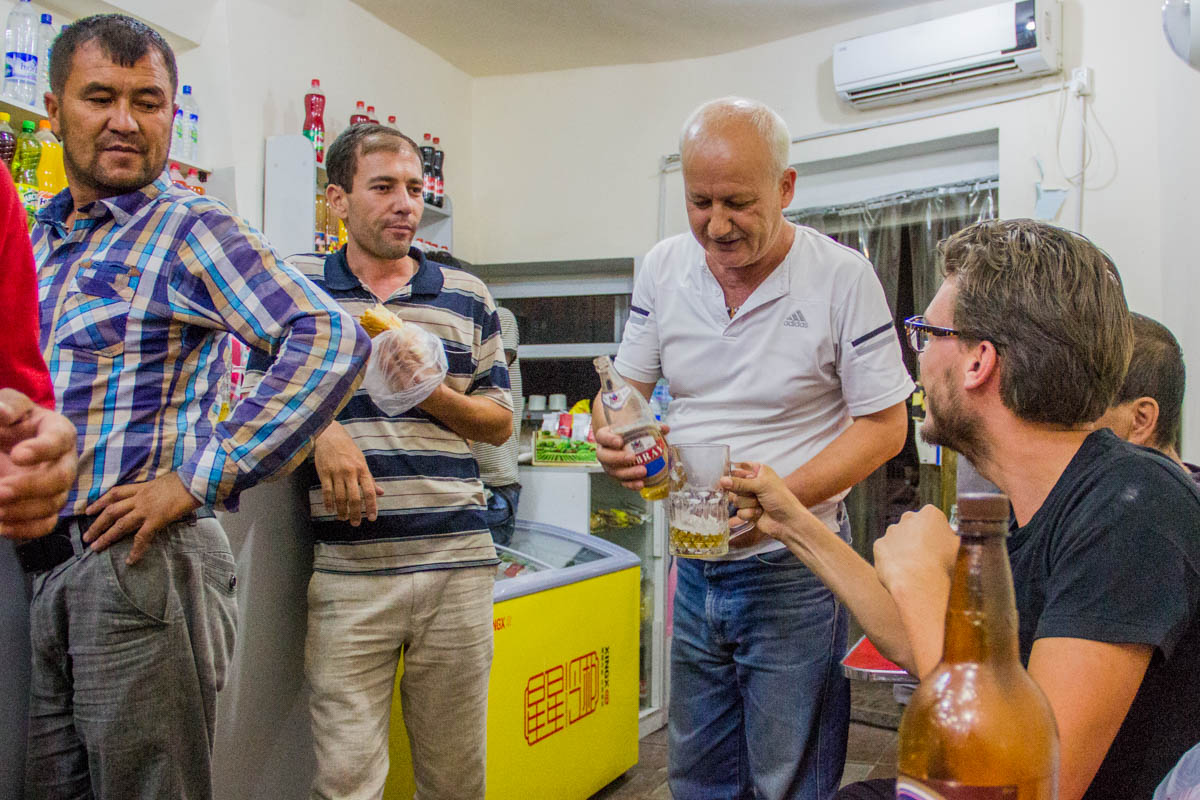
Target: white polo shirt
812	347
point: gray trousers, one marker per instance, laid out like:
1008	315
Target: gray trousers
127	661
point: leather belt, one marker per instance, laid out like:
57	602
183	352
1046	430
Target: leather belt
46	553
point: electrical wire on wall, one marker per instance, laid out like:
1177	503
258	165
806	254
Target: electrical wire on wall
1081	89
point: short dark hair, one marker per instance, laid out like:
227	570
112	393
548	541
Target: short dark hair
123	39
341	160
1156	370
1052	304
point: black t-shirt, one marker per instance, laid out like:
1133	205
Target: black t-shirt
1113	555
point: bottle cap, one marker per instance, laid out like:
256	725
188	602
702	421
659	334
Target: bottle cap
187	89
316	83
4	116
174	165
27	126
982	513
47	19
359	104
392	118
44	124
370	109
427	137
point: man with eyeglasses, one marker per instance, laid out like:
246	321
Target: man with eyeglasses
1022	349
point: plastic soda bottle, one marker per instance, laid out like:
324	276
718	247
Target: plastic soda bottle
427	166
8	140
360	113
629	416
439	180
191	127
52	177
314	119
177	177
193	181
45	43
25	169
371	115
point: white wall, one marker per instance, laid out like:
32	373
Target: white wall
586	143
255	58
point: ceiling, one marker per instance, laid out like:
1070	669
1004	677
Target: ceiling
497	37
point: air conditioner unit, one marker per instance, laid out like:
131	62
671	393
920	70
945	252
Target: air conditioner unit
1004	42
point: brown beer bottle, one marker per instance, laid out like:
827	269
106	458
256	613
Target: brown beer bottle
978	727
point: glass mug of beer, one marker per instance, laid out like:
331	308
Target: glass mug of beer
697	505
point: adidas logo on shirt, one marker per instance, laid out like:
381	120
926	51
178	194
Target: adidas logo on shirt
795	320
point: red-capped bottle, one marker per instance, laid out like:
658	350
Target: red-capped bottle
360	113
371	115
427	166
439	180
314	119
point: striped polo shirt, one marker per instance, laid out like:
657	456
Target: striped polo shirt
431	514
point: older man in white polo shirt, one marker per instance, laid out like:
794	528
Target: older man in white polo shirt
777	341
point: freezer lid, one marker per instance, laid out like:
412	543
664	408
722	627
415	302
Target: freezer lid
541	557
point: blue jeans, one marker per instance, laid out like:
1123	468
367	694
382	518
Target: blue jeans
759	706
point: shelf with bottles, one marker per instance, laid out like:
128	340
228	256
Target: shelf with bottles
19	112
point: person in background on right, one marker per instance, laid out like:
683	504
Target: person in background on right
1148	409
498	465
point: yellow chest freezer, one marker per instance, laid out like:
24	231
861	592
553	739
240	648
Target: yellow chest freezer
563	694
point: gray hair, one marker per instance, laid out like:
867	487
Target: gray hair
766	121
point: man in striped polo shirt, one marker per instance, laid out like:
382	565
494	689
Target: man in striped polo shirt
404	562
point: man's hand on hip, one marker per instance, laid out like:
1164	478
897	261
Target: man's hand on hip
142	509
347	487
37	466
618	460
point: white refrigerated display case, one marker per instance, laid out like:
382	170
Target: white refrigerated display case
576	498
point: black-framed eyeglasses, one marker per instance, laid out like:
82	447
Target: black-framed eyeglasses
919	331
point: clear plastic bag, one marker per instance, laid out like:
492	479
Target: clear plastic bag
404	368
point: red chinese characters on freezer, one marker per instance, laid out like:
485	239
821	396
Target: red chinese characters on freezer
563	695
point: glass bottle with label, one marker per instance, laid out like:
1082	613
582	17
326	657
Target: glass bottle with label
630	417
978	727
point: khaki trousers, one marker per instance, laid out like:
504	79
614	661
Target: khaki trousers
359	627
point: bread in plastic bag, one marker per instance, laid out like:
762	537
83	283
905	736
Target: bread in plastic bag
405	366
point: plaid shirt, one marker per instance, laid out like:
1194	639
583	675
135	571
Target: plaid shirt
137	299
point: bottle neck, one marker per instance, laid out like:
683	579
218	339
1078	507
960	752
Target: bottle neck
981	616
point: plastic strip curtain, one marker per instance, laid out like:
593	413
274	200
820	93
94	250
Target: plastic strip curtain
878	227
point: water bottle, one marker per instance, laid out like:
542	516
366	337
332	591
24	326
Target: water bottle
191	127
177	129
20	54
45	43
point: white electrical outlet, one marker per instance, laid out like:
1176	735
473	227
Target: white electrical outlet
1081	81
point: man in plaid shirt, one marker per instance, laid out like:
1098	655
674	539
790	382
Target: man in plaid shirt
140	284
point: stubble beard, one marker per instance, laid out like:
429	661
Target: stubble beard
91	173
947	424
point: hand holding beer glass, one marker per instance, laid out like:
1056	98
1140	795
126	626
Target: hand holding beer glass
698	505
